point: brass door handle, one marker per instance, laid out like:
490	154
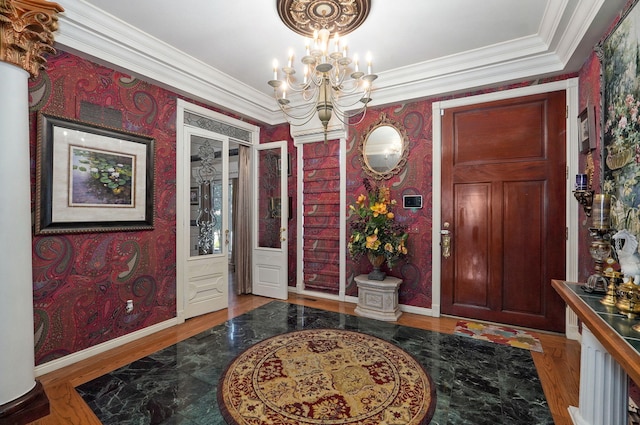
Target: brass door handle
445	242
226	236
282	230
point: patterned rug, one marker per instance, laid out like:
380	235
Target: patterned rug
498	334
326	376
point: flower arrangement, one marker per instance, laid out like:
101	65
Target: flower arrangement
374	231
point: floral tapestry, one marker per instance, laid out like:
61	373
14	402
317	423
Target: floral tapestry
621	127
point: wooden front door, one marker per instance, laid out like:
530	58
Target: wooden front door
503	198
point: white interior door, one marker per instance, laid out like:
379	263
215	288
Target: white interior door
207	238
270	220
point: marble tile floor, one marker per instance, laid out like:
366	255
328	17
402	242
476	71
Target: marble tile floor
476	382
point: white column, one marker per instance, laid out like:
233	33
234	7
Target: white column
16	283
603	386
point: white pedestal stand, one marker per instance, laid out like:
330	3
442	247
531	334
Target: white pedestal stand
603	386
378	299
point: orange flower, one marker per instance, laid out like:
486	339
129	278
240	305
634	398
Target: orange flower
373	228
373	242
384	194
379	208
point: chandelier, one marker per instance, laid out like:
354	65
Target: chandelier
330	80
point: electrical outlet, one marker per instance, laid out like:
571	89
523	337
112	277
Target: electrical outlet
129	307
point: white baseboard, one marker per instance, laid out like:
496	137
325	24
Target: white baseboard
101	348
417	310
351	299
133	336
354	300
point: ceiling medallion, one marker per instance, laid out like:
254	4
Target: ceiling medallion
337	16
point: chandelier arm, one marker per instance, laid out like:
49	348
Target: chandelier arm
338	77
316	77
342	112
305	118
296	87
354	88
341	106
304	114
361	111
309	95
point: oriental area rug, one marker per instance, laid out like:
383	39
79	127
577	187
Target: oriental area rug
325	376
503	335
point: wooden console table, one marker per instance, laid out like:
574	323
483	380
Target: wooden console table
609	353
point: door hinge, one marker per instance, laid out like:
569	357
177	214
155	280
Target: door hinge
566	233
566	112
566	172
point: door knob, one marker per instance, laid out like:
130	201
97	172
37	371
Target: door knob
445	242
282	230
226	237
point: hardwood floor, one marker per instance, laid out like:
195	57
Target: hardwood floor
558	366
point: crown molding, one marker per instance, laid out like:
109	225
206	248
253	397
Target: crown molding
577	28
89	32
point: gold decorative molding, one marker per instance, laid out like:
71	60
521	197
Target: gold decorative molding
307	16
26	32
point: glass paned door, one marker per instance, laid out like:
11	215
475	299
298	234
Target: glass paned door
208	264
271	219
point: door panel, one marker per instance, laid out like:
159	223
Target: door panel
523	200
207	267
270	251
472	226
503	190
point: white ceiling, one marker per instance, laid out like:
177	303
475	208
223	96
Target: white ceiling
221	52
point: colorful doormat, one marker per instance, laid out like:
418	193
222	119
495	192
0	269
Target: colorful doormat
498	334
326	376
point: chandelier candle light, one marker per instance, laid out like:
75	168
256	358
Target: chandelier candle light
330	81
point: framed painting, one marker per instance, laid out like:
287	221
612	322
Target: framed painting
620	55
91	178
586	130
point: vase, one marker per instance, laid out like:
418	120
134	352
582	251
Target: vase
376	261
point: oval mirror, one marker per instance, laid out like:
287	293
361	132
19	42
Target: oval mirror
383	149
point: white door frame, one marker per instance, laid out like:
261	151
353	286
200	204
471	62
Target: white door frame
570	86
182	211
299	142
270	265
206	276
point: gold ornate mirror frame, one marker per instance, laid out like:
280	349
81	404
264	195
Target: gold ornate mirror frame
384	148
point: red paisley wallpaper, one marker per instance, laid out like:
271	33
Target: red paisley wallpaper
81	281
415	179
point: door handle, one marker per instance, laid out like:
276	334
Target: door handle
226	237
282	230
445	242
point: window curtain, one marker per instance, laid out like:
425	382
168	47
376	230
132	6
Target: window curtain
242	248
234	202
